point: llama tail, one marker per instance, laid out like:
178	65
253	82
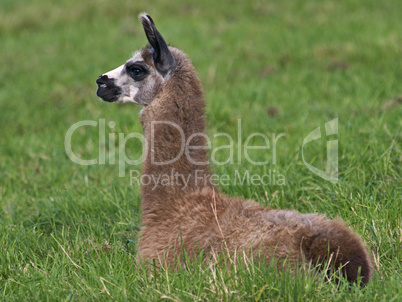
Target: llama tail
335	242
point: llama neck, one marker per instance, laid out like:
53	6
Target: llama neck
176	160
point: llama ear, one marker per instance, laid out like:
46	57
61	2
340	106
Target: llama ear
163	59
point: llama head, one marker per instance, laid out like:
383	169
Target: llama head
143	76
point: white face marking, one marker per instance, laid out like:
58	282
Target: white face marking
124	81
115	73
130	97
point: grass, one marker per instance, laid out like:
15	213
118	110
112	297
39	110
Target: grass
68	232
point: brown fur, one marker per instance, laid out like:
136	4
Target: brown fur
202	218
198	217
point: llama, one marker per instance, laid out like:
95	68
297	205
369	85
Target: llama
189	213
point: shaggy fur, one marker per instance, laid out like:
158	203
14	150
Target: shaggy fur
190	213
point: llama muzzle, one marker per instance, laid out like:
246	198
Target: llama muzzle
107	90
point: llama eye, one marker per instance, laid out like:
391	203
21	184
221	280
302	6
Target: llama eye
136	71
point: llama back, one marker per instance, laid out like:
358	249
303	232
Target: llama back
214	223
296	238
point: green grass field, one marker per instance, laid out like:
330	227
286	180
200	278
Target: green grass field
68	232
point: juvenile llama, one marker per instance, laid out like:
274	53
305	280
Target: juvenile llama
186	211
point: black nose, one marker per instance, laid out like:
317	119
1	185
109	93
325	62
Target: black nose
103	79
